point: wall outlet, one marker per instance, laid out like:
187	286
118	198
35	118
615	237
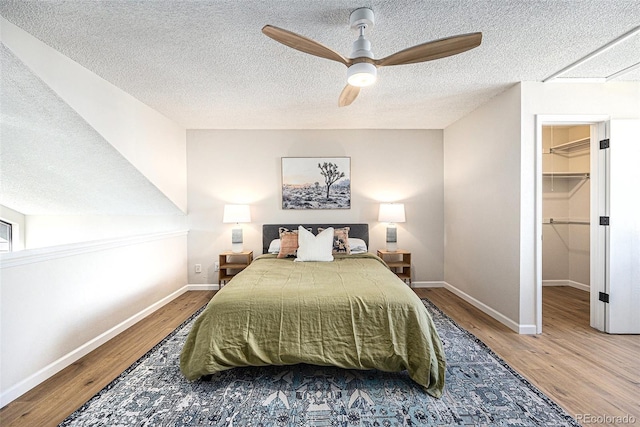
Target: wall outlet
198	268
216	266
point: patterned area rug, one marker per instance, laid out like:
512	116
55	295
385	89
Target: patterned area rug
481	389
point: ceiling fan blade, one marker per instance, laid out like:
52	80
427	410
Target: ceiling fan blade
433	50
348	95
303	44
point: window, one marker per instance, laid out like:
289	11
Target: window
5	236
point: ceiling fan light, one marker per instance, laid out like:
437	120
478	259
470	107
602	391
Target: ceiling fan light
362	74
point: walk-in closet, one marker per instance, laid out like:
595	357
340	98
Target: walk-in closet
566	206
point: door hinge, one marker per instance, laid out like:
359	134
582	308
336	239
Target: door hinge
604	220
604	144
604	297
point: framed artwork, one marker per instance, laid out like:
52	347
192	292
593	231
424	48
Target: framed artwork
316	183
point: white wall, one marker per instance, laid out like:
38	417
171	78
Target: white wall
482	206
154	144
59	303
245	167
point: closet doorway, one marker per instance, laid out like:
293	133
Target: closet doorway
612	226
566	188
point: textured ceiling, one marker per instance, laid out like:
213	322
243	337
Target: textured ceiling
206	64
53	162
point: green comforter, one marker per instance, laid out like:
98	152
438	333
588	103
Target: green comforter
352	313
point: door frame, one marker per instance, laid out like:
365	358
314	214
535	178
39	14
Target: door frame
597	269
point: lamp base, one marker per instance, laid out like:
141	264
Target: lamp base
392	246
236	240
392	238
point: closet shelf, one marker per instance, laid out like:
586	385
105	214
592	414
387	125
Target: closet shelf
578	144
582	175
565	221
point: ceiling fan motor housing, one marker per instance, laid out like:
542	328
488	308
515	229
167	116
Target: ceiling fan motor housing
362	16
362	47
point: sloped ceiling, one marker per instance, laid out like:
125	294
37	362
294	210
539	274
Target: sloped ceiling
206	64
53	163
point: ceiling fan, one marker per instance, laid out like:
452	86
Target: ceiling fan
362	67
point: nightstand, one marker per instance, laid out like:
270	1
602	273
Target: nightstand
231	263
399	262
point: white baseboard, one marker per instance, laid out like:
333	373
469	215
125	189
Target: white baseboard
53	368
571	283
434	284
521	329
202	287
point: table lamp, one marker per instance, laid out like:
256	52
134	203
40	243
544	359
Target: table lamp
236	214
391	213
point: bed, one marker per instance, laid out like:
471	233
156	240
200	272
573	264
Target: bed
352	312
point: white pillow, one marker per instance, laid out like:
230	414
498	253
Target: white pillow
358	246
274	247
315	248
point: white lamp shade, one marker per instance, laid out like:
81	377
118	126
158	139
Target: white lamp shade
391	212
236	214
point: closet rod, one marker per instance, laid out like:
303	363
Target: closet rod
559	221
584	175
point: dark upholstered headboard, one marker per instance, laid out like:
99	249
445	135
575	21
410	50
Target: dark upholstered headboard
270	231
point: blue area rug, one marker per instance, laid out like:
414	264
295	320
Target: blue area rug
481	390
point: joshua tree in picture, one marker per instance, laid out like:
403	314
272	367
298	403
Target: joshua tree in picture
330	173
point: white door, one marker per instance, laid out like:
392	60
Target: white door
617	276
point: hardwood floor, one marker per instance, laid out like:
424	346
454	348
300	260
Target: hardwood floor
589	373
584	371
